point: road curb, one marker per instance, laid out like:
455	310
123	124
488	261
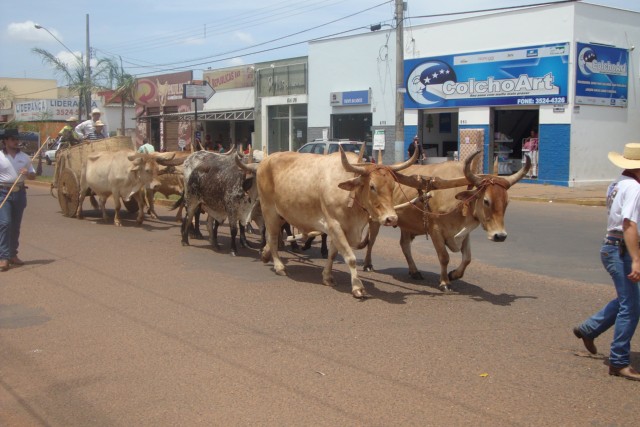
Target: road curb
581	202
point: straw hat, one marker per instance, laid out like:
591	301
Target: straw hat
72	119
630	157
99	123
96	111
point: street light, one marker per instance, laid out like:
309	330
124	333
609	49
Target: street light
87	66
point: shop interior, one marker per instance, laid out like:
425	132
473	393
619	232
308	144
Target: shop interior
438	133
355	127
515	132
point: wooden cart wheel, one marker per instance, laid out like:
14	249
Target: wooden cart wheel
131	205
68	192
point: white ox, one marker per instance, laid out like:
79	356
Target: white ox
313	193
121	174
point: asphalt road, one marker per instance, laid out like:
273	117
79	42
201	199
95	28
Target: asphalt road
110	326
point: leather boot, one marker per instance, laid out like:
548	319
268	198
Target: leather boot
625	372
588	342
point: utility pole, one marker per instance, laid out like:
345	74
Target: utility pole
399	137
87	74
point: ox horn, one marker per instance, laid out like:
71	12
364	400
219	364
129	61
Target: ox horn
404	165
513	178
471	177
350	167
231	150
251	167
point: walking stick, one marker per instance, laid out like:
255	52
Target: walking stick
20	174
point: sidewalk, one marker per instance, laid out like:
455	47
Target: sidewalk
587	196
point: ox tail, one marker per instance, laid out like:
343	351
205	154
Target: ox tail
178	202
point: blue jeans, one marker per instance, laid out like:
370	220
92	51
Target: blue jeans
10	220
623	312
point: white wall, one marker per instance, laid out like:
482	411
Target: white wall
598	130
348	64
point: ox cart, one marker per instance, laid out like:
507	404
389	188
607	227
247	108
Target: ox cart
70	162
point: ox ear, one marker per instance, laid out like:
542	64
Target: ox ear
134	156
247	184
467	194
351	184
136	162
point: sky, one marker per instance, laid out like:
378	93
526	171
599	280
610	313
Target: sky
151	37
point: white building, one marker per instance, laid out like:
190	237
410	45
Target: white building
568	72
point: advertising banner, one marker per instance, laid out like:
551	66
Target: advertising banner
230	78
49	109
602	75
533	75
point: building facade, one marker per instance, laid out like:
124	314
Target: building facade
554	82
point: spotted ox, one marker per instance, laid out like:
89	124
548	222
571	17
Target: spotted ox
451	215
121	174
223	191
312	193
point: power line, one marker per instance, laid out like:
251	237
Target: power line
186	64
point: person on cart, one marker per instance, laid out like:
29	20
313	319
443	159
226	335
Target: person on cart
88	127
68	134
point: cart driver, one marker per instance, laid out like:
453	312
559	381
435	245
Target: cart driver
68	133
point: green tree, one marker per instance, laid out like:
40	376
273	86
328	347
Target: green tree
74	75
123	84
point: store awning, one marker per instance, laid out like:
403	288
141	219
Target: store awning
202	116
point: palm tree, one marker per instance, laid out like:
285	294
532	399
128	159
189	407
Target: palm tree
74	74
123	84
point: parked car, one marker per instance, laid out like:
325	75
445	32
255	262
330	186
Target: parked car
50	155
328	146
29	142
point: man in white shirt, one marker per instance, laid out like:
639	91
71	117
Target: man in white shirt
88	127
620	255
15	166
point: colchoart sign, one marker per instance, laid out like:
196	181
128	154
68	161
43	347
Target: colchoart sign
533	75
602	75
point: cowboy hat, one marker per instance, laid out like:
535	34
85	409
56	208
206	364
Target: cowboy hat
96	111
630	157
8	133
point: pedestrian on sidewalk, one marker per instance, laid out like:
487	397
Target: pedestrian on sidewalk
621	258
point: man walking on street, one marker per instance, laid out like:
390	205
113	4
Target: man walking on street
620	256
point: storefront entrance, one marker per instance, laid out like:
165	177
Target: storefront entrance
355	127
514	133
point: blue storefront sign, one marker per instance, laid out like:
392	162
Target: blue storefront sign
533	75
355	97
602	75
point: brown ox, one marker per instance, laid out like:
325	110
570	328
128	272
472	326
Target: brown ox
171	182
451	214
121	174
305	191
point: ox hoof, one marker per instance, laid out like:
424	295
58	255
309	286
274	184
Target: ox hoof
367	268
359	293
233	253
281	272
329	282
446	289
185	243
416	275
